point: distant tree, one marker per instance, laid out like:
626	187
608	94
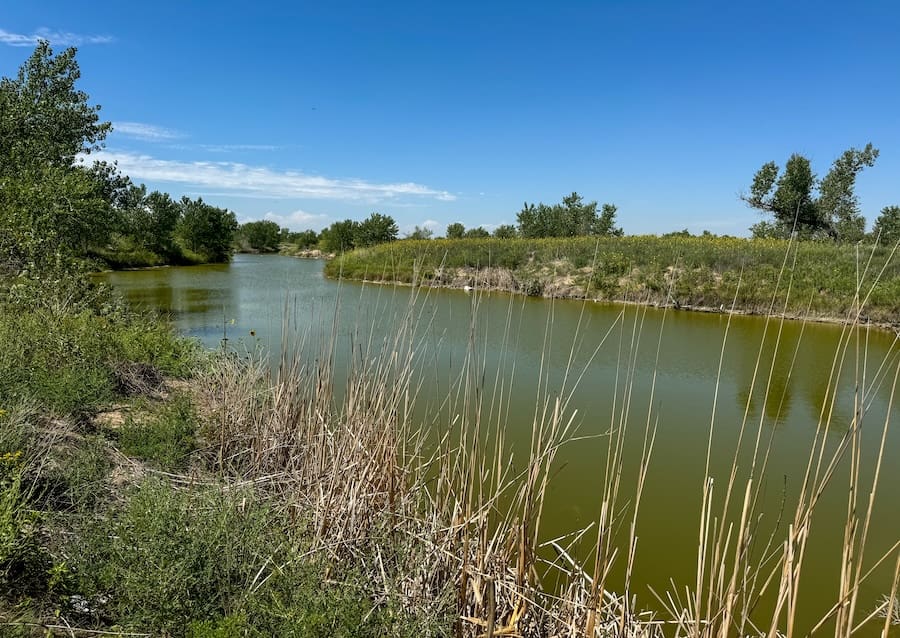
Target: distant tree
505	231
606	223
339	236
887	226
477	233
455	231
206	229
304	239
376	229
795	206
420	233
262	235
572	218
163	215
678	233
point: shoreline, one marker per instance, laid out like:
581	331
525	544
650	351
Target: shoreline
653	303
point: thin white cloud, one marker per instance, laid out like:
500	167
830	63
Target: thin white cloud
59	38
224	148
300	220
431	223
262	182
147	132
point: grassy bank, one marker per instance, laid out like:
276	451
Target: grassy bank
682	271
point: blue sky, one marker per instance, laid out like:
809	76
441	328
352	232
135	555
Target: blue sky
457	111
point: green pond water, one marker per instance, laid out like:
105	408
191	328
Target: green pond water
248	300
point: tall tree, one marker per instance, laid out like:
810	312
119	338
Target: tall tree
339	236
799	203
43	116
837	199
206	229
455	231
606	223
375	229
572	218
262	235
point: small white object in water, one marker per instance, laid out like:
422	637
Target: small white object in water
467	288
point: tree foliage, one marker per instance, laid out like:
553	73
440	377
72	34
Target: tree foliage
44	118
420	232
375	229
206	230
572	218
799	202
455	231
505	231
887	226
263	235
339	236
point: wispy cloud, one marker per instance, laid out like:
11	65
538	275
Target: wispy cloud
263	182
147	132
300	220
59	38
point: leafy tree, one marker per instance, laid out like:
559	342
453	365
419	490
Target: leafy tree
606	223
43	117
420	233
455	231
339	236
262	235
163	215
206	229
375	229
477	233
304	239
837	200
48	205
795	206
887	226
505	231
572	218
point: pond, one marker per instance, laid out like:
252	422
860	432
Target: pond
671	363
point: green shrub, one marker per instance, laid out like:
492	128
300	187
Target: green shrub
165	437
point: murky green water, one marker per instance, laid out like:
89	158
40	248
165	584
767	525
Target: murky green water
247	301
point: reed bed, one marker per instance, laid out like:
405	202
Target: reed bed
432	510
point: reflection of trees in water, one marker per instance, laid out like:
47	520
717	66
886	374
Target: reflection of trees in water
772	391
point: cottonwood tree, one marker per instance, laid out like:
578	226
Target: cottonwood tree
799	202
44	118
572	218
375	229
206	230
339	236
505	231
455	231
887	226
48	203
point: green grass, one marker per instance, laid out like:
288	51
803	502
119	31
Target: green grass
72	362
700	271
165	436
